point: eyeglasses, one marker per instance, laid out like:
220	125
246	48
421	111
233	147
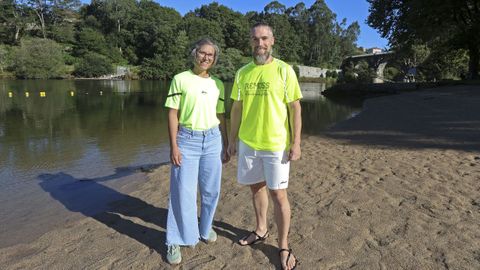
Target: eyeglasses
206	55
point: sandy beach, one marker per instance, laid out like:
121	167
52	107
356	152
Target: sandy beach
396	187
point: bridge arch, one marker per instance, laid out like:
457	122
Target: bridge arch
377	61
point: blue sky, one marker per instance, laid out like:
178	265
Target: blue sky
352	10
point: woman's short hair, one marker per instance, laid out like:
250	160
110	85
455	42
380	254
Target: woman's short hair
200	43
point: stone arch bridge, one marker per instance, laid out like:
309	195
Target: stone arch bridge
377	61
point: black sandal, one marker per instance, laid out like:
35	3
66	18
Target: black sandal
288	257
258	238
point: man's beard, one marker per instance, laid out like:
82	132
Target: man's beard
261	59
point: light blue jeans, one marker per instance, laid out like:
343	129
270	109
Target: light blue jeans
201	166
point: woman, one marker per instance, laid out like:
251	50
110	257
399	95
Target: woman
196	125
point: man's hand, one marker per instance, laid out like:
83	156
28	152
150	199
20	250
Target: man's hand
175	156
295	152
225	155
232	149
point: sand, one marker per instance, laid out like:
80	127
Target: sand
396	187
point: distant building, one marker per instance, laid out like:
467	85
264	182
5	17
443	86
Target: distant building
374	50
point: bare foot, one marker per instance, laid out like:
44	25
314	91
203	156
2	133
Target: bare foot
253	238
288	260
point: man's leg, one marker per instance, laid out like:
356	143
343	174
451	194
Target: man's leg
281	207
260	204
282	214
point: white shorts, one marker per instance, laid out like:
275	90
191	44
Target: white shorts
255	166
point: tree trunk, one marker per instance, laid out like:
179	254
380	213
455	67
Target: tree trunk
42	22
474	61
17	33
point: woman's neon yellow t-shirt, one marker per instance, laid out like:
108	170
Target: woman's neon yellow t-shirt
265	91
198	99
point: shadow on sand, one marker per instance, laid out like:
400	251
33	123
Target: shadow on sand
442	119
106	205
234	234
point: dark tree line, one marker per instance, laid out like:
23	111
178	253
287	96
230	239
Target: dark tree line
441	38
87	40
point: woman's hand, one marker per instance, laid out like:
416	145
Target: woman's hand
175	156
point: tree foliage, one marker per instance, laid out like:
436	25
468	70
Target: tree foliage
450	25
93	65
157	39
38	58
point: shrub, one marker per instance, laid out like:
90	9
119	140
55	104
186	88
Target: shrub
152	69
93	65
6	57
39	58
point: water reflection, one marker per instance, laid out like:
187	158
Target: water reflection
319	113
118	121
112	121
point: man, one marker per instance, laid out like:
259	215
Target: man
265	112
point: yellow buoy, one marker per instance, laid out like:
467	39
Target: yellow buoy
10	94
72	93
101	93
43	94
27	94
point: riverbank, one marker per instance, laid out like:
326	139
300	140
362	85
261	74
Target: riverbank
379	89
395	187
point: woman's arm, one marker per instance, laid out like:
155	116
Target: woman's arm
175	155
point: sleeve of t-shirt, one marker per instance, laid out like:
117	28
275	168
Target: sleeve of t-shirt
221	97
174	95
236	91
293	91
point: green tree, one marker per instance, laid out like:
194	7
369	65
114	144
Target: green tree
197	28
6	57
453	24
298	17
41	8
445	64
61	20
39	59
286	40
154	30
166	65
360	73
90	40
321	27
225	26
93	65
114	17
229	62
14	18
348	38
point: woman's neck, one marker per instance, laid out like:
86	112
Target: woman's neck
201	73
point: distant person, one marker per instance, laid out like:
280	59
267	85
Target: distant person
266	118
197	130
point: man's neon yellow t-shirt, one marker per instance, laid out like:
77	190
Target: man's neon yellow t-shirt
265	91
198	99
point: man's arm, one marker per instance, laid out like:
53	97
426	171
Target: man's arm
175	155
296	123
223	131
235	120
